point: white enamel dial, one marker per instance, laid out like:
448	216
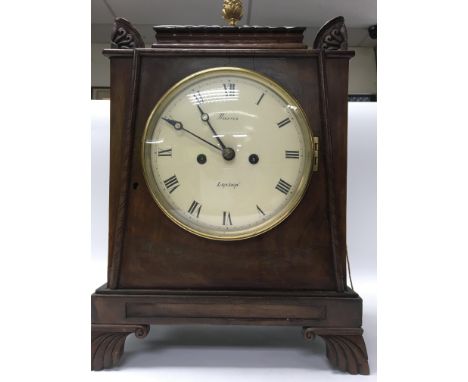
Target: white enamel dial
227	154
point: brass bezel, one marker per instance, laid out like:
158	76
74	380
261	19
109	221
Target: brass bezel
158	195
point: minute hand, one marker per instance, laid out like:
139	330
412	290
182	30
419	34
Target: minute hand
179	126
206	118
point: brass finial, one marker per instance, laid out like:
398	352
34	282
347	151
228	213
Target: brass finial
232	11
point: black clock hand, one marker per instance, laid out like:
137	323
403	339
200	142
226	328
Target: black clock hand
179	126
228	153
206	118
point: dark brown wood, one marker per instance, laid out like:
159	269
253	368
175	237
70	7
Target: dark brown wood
125	36
327	148
294	274
120	81
199	263
336	80
108	341
183	37
127	146
332	36
213	52
221	307
346	349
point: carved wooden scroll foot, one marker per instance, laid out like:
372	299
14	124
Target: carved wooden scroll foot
107	343
346	349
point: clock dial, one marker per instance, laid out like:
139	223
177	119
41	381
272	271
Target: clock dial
227	153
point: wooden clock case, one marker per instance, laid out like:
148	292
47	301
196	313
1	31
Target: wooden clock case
293	275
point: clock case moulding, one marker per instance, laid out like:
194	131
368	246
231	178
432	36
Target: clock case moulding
258	281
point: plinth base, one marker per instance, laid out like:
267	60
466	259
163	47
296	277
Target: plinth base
336	317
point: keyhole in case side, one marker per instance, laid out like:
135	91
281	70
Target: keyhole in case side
135	185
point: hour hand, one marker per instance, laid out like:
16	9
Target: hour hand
176	124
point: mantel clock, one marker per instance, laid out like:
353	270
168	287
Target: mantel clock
227	198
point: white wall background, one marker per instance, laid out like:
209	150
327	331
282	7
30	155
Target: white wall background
363	72
100	67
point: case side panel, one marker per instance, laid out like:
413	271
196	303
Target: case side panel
121	76
337	87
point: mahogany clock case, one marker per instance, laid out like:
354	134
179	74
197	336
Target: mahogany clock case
148	251
294	274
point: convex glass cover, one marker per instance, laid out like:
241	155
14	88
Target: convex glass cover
227	153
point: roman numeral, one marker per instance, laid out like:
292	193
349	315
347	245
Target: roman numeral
284	122
283	186
195	206
260	99
227	218
229	89
171	183
165	153
292	154
197	97
260	210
